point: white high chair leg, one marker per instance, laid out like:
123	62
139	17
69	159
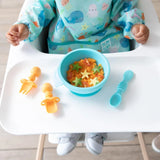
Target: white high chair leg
143	146
40	147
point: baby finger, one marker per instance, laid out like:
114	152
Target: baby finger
142	39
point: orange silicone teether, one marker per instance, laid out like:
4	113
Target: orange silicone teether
27	85
50	102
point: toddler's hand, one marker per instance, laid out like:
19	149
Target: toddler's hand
17	33
141	33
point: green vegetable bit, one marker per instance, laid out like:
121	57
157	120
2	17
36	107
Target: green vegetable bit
97	69
76	67
77	82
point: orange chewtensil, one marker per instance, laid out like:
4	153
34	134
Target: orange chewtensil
27	85
50	102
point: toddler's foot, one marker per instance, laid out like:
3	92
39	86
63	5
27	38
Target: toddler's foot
94	142
156	144
67	143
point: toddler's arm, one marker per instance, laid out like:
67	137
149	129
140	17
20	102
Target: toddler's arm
131	19
31	22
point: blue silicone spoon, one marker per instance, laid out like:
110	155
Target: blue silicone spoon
121	88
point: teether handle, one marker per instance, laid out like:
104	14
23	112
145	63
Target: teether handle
47	90
48	94
35	72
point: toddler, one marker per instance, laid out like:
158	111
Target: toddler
103	25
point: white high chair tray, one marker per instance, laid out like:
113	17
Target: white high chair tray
139	110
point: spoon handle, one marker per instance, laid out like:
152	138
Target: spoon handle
115	100
122	86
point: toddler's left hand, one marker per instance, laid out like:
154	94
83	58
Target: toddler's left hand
140	32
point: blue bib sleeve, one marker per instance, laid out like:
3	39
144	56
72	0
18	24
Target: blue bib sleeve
125	14
37	16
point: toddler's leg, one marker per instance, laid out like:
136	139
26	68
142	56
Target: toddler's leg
94	142
66	142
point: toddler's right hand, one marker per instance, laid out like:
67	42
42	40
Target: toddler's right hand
17	33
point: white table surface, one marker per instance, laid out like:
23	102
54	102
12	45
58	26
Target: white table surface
138	112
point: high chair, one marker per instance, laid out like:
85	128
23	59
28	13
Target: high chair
111	137
25	117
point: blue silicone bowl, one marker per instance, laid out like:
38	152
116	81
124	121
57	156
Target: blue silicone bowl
76	55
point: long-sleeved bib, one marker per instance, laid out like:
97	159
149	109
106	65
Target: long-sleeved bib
104	25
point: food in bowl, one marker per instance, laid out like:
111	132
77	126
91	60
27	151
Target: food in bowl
77	55
85	73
